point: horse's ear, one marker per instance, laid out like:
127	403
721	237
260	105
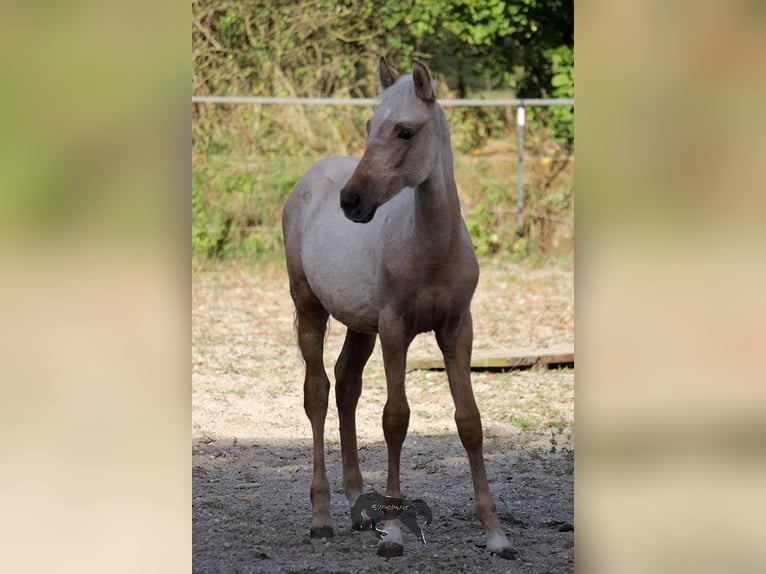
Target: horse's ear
386	74
423	86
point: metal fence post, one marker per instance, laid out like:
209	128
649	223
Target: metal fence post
520	122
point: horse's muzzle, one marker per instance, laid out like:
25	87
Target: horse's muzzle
351	204
349	201
367	218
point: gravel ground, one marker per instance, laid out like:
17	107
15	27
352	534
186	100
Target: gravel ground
251	441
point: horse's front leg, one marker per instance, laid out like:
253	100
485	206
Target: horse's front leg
394	341
311	323
455	339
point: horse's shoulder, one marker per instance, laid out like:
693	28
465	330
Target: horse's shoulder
333	166
324	176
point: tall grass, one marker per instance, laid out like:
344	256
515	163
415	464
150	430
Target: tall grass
247	159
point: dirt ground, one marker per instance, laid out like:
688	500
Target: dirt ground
251	441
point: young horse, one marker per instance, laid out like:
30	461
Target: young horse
379	244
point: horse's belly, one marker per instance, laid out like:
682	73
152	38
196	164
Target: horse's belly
338	259
348	299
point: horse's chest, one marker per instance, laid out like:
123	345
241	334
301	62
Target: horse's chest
431	304
426	310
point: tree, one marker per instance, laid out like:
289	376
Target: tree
325	48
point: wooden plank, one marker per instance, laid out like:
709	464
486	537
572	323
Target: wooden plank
504	360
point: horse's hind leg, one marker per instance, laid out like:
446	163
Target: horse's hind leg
311	323
348	387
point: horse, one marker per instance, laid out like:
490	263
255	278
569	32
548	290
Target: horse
379	243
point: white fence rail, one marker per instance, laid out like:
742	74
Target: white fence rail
508	102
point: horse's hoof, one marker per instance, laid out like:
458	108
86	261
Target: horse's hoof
321	532
390	549
506	553
362	526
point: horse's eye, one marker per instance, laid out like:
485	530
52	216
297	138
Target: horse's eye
405	133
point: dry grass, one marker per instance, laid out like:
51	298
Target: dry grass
248	373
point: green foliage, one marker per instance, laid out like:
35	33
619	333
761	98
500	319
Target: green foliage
483	221
248	158
236	206
323	48
237	203
471	128
559	118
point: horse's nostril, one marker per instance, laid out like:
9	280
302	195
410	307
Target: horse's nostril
351	201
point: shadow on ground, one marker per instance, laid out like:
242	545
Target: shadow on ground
251	508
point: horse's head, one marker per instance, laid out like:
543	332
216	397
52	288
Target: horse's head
404	137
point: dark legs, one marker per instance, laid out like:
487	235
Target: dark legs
455	340
394	340
348	387
311	324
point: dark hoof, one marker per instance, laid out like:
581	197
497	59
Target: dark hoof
390	549
362	526
506	553
321	532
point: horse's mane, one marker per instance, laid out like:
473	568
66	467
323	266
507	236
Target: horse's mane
400	93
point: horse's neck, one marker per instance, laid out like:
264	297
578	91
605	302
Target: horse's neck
437	213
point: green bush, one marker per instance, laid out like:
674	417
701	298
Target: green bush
560	119
237	205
